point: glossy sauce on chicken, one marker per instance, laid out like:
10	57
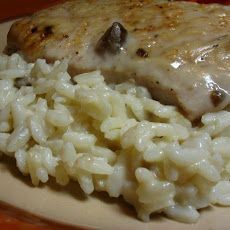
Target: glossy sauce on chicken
179	50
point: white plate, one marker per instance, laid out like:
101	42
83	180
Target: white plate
68	205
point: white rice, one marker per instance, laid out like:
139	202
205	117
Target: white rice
112	138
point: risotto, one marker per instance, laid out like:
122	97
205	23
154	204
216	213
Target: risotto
112	138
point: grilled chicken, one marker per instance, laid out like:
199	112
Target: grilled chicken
179	50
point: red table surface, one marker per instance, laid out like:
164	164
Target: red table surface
15	8
15	219
8	222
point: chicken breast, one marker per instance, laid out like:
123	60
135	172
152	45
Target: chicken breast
179	50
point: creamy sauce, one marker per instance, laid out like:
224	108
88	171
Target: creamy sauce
176	44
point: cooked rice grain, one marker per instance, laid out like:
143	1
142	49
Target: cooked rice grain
112	138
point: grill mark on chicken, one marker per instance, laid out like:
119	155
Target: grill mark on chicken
34	30
178	50
142	53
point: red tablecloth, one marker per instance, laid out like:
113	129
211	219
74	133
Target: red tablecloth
8	222
15	8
